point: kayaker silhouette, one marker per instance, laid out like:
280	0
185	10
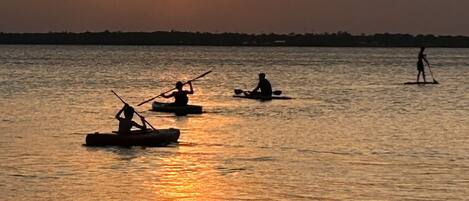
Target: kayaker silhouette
180	96
420	65
264	85
126	123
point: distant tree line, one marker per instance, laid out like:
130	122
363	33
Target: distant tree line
339	39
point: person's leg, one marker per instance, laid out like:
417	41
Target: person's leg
423	75
255	93
418	77
176	104
266	94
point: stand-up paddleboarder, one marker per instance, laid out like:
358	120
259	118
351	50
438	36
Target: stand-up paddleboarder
420	65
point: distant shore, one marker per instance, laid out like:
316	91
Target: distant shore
339	39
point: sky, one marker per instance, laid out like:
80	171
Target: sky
441	17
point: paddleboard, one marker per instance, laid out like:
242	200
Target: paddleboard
419	83
263	98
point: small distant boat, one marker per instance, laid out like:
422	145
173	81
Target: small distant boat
178	110
420	83
148	138
239	93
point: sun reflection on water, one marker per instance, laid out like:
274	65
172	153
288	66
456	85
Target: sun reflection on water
192	171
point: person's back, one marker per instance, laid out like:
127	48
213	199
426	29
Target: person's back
421	57
126	123
180	96
265	87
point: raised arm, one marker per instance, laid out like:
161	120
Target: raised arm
143	126
425	59
192	89
257	88
167	96
118	115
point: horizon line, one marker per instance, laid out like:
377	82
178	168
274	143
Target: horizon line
243	33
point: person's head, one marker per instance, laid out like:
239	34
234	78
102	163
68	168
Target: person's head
129	112
422	49
261	76
179	85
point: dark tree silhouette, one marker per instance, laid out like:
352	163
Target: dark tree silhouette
339	39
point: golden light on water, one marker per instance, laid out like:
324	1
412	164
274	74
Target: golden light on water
185	176
177	178
192	171
355	135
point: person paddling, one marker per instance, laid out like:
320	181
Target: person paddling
264	85
180	96
420	65
126	123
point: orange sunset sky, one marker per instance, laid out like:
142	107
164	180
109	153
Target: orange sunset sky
252	16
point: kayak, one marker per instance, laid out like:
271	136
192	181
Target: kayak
418	83
260	97
149	138
178	110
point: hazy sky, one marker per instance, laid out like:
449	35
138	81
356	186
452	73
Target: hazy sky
253	16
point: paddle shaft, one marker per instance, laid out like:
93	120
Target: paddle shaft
122	100
431	73
174	88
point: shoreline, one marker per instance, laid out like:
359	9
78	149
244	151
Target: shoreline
173	38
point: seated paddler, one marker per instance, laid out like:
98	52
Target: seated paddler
180	96
126	123
264	86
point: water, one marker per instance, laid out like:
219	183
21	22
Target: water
353	131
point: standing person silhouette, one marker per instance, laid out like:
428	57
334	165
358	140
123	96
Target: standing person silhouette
420	65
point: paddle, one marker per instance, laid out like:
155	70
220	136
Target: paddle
134	111
203	75
240	91
431	73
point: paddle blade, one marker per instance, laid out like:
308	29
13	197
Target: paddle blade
277	93
238	91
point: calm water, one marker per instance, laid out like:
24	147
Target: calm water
353	131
